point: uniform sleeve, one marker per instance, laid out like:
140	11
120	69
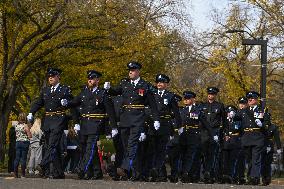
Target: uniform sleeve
37	104
176	112
116	90
109	106
276	136
153	105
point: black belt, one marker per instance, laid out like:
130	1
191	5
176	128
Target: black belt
166	117
55	113
251	129
98	116
134	106
191	127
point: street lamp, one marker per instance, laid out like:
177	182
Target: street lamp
263	60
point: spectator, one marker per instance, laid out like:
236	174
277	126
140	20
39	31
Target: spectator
23	135
73	152
35	147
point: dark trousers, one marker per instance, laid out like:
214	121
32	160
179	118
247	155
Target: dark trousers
253	159
230	161
52	160
174	153
190	152
90	162
158	144
210	152
142	160
129	138
12	156
266	161
22	148
73	156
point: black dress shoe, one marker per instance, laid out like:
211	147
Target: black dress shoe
115	178
97	177
162	179
173	179
241	181
134	179
184	178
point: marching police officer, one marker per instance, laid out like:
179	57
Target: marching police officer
174	150
271	138
240	168
231	146
215	119
190	139
95	107
253	138
54	122
136	93
160	135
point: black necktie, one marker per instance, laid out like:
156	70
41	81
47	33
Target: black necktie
133	83
160	93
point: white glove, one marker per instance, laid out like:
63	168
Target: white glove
108	137
156	125
258	122
142	137
268	149
231	114
171	137
64	102
279	151
216	138
107	85
30	117
114	132
180	130
77	128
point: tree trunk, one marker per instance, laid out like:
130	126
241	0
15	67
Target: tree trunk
3	125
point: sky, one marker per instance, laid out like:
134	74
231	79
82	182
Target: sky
199	10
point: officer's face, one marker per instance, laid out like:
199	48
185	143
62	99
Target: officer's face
188	101
53	80
252	102
93	82
162	86
134	74
242	106
211	96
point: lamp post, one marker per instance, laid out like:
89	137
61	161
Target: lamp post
263	61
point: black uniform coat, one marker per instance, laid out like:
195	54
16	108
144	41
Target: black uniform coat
52	103
247	118
141	94
98	103
167	109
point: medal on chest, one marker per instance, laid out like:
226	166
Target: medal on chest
141	92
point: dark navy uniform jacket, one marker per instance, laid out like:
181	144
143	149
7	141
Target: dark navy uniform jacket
134	98
252	133
167	109
52	103
214	118
95	110
192	122
233	131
